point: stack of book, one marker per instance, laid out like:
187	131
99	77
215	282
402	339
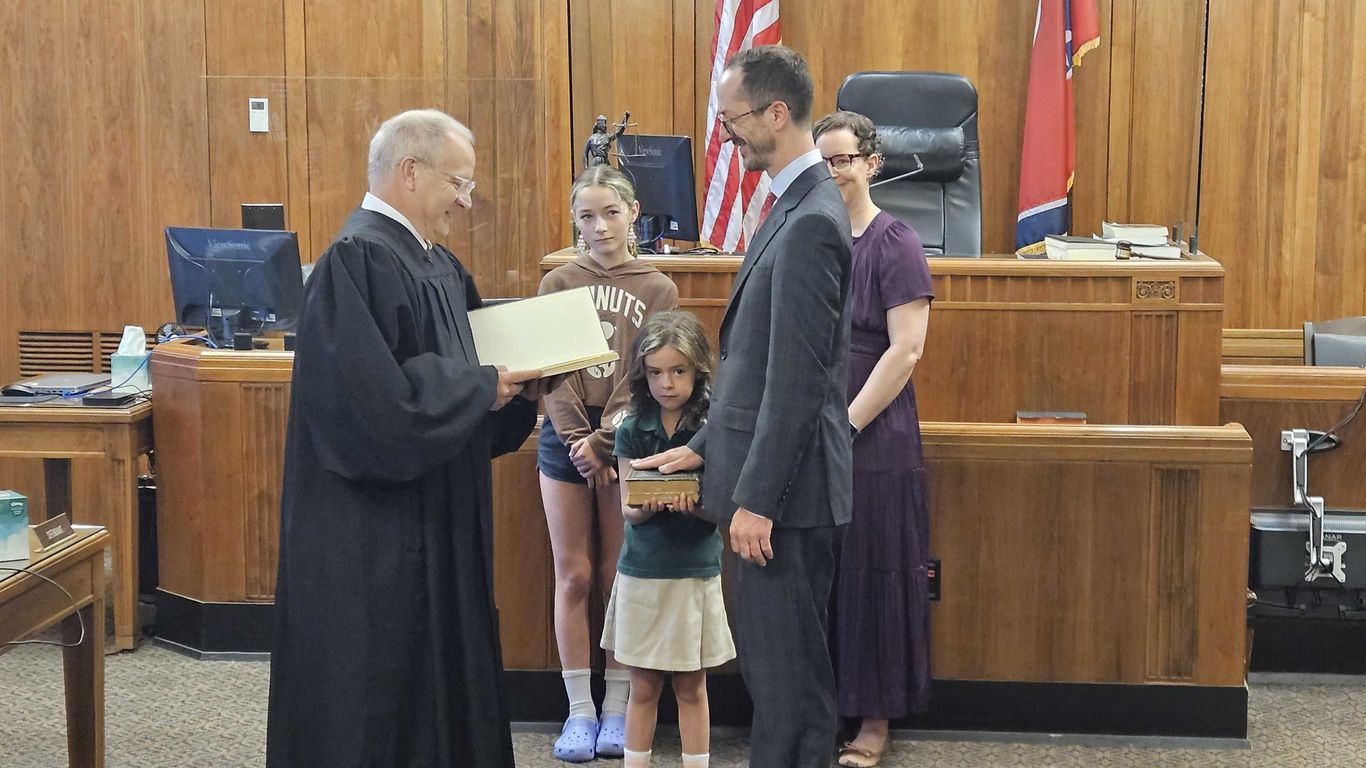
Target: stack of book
1149	241
1067	248
1116	241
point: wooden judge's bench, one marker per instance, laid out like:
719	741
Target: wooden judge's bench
1125	342
1087	571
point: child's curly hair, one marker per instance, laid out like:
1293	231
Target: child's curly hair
683	332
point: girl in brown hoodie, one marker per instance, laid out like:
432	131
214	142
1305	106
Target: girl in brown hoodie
574	458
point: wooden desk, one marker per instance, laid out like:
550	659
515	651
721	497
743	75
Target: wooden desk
1088	572
58	433
1100	564
1099	554
1269	398
220	431
1127	342
29	605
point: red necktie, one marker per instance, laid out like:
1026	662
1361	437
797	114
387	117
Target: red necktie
763	212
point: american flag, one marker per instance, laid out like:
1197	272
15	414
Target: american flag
735	196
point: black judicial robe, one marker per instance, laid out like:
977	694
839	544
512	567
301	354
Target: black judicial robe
386	648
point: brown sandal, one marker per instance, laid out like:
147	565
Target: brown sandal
852	756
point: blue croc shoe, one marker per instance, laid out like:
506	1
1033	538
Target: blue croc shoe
612	736
577	740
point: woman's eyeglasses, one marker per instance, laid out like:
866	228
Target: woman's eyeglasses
842	161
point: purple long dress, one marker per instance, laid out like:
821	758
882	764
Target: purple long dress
882	621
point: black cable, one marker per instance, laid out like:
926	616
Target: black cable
112	387
1200	134
75	608
1341	424
1294	593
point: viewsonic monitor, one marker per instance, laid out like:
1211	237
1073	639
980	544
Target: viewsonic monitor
660	167
235	280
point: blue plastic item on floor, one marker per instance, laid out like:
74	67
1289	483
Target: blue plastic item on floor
577	740
612	736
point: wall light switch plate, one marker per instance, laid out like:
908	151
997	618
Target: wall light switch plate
258	115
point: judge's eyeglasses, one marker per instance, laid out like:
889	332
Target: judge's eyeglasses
462	185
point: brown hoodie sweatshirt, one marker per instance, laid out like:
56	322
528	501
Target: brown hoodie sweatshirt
625	295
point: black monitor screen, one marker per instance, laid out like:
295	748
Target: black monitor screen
660	167
235	280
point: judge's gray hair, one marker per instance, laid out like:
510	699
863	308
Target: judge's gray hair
417	133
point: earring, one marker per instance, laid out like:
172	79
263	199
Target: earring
632	242
581	245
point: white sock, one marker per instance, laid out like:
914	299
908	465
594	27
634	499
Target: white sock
632	759
696	761
618	689
578	685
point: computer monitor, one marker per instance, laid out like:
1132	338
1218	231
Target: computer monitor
660	167
232	281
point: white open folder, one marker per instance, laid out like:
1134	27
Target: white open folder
555	333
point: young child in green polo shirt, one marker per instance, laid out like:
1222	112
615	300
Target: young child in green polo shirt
666	614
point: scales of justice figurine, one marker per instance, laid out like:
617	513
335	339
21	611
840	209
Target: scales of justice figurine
600	141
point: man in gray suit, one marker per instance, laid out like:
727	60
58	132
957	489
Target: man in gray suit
777	443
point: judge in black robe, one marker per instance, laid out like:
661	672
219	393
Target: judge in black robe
387	652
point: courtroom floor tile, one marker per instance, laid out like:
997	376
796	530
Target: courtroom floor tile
168	710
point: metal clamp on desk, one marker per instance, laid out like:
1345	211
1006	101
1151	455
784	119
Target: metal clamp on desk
1322	562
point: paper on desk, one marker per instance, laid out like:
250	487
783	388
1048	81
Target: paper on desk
134	341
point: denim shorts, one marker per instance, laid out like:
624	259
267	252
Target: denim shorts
552	455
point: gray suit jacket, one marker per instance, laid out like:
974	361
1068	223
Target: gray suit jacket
777	439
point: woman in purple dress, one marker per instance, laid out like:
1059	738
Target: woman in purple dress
882	623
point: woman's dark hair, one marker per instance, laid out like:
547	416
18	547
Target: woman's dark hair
865	133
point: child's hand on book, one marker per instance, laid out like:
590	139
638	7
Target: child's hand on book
655	506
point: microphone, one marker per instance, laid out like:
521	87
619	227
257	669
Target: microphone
919	166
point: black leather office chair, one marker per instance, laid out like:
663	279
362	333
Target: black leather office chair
933	116
1336	342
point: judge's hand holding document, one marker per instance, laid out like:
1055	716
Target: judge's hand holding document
529	384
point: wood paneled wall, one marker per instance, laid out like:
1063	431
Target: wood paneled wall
128	115
1135	161
1283	193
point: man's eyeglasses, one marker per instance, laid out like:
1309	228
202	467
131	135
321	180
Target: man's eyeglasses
729	122
842	161
462	185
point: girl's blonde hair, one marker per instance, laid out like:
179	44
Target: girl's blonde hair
682	331
611	178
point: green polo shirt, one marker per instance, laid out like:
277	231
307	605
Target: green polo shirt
670	545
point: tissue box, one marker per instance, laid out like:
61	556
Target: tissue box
130	371
13	526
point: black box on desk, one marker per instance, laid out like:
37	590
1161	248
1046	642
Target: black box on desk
1278	556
